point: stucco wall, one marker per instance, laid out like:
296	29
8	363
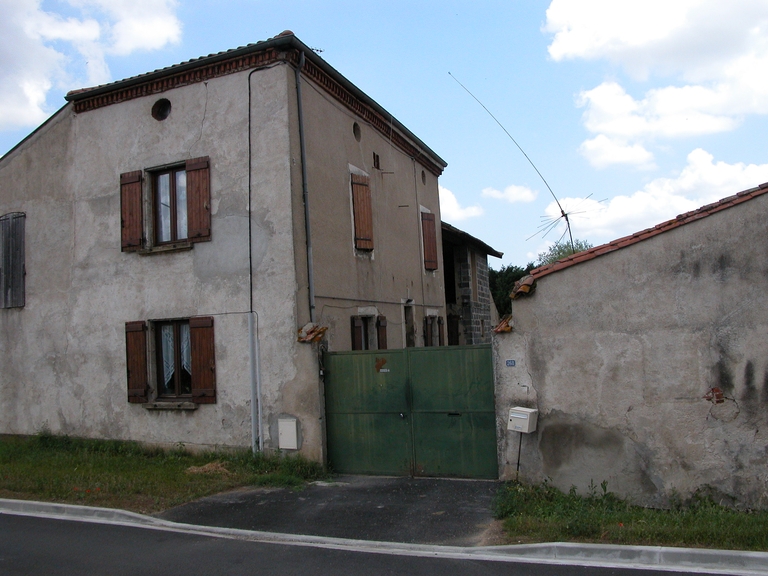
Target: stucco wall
348	280
63	354
618	353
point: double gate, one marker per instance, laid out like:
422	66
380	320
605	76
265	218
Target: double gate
417	411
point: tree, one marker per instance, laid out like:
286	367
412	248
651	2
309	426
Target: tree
501	284
560	250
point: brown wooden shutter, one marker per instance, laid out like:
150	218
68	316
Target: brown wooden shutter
427	331
357	333
381	332
131	220
430	240
440	332
361	205
203	360
198	199
136	361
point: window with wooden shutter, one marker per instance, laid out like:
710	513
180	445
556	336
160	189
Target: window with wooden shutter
136	361
440	332
381	332
199	199
131	219
203	360
363	211
429	235
12	267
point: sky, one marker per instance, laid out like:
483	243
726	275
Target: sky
630	112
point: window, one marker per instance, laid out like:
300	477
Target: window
429	237
180	199
184	358
434	334
363	212
12	260
363	335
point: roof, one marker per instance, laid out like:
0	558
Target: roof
681	220
462	237
285	47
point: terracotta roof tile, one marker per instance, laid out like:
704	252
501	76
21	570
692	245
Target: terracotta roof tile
680	220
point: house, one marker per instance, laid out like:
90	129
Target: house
176	244
471	313
647	359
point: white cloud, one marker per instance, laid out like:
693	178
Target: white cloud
40	50
701	182
603	151
511	194
452	211
715	54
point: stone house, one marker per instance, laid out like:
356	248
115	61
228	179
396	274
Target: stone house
647	359
471	313
166	237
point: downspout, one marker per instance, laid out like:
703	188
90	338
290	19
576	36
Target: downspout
305	192
257	438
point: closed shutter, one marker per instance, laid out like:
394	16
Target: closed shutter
430	240
131	220
427	331
136	361
199	199
361	205
203	360
381	332
12	260
357	333
441	332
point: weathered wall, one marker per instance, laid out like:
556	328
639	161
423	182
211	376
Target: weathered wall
347	280
618	353
63	354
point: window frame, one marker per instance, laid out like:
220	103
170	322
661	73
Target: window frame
171	172
177	327
429	240
12	260
362	211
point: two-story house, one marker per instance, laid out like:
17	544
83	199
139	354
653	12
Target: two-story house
174	242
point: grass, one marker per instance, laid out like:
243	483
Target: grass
544	514
126	475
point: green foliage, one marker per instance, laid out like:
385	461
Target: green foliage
544	514
501	284
561	250
128	475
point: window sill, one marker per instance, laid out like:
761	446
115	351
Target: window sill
170	405
175	247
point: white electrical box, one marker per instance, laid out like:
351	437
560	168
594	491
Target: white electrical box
523	419
288	434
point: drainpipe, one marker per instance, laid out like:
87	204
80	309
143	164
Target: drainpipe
257	438
310	263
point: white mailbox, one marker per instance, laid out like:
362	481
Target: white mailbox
523	419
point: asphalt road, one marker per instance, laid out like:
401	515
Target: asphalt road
43	546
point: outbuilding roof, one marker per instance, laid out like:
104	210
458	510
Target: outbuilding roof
680	220
453	235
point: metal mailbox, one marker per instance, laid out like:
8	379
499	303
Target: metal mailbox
523	419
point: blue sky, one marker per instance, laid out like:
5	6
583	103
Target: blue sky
633	111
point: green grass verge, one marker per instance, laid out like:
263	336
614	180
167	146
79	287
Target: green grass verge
544	514
130	476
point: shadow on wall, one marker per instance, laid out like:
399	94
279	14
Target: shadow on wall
573	449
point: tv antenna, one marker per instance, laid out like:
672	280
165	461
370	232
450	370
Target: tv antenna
548	226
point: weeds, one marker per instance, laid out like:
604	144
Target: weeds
545	514
127	475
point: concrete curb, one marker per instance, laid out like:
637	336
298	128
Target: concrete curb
669	559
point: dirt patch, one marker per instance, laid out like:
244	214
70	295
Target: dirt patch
494	535
210	468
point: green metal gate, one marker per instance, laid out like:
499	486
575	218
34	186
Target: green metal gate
417	411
